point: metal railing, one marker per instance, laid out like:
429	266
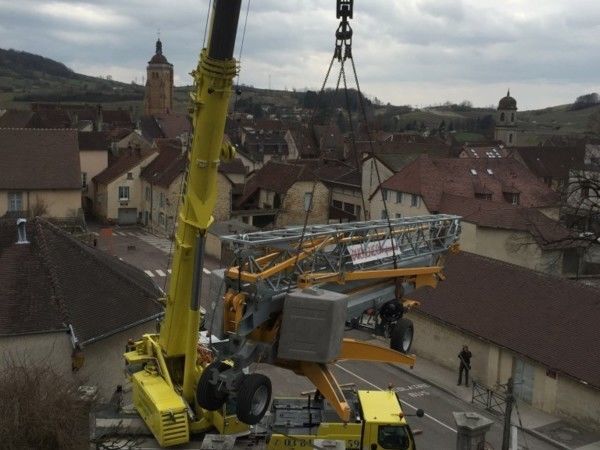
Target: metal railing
493	400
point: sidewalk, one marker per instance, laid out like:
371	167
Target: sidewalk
533	421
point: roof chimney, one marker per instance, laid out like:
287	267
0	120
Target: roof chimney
22	231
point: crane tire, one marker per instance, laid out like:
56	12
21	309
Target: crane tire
207	394
402	336
253	398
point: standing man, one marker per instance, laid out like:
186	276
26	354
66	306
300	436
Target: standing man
465	365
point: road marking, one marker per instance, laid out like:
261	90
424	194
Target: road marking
118	233
149	273
206	271
403	401
160	273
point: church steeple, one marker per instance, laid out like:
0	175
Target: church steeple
159	85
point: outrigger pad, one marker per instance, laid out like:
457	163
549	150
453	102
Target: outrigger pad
313	325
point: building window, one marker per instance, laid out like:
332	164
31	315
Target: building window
308	199
585	190
501	117
483	196
512	117
161	219
337	204
147	193
398	216
161	201
357	214
510	138
349	208
398	197
15	201
84	179
130	175
515	199
123	193
384	214
384	194
414	200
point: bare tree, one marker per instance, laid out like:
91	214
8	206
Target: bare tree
40	408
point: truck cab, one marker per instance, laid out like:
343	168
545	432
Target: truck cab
378	422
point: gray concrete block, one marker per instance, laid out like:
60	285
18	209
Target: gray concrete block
313	323
214	312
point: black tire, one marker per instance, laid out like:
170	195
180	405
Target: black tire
254	398
207	394
402	336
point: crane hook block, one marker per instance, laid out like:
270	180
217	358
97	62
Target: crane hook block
344	9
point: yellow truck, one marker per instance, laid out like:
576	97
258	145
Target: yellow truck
378	423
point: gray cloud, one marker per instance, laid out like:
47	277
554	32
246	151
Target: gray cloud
414	51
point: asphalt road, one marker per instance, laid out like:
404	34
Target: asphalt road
437	428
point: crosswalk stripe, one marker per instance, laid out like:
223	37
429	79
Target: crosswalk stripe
119	233
206	271
149	273
160	273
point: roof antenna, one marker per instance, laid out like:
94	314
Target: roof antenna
22	231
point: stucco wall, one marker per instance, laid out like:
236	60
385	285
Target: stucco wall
404	208
370	181
92	163
222	210
348	195
578	401
58	203
109	209
103	364
492	365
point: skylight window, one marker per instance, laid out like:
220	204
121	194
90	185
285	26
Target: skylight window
473	172
490	171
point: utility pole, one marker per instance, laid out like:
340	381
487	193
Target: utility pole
508	414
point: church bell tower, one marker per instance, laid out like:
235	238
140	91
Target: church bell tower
158	98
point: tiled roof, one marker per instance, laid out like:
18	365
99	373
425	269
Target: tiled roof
431	178
546	232
116	117
56	281
275	176
548	319
127	161
397	154
552	162
168	165
235	166
15	118
93	140
39	159
173	124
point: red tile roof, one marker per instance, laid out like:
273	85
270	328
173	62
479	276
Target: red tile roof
555	162
431	178
14	118
548	319
123	164
93	140
39	159
56	281
546	232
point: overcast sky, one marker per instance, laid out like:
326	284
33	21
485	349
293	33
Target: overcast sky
415	52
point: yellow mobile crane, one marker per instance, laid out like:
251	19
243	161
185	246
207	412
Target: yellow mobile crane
288	281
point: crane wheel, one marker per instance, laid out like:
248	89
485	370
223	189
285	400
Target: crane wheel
253	398
402	336
208	395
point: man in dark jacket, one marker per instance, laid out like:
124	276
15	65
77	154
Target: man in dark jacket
465	365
